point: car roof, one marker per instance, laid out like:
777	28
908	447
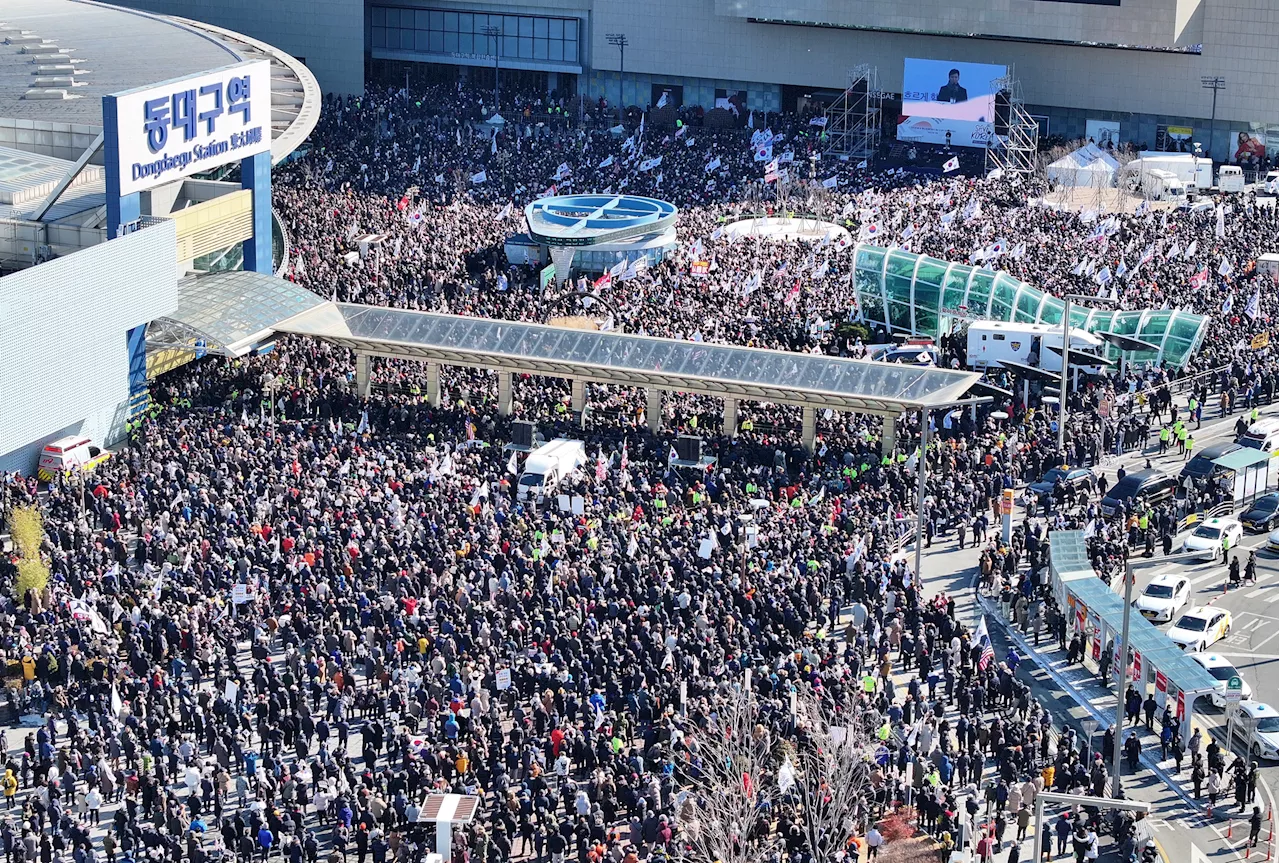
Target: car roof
1218	450
1167	578
1212	660
1201	611
1222	521
1259	709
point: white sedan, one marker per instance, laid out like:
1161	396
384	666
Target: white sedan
1208	536
1164	595
1221	670
1201	627
1259	728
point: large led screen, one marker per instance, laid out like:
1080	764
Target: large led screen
941	96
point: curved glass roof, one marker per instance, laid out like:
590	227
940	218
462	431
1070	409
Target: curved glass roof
911	293
229	312
617	358
584	220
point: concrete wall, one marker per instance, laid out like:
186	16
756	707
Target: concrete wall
327	34
64	367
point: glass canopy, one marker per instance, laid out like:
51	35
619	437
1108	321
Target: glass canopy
617	358
913	293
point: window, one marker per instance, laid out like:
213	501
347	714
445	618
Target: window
999	337
523	37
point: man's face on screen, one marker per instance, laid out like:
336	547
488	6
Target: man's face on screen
953	78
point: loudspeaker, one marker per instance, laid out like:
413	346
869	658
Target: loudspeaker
689	448
522	433
1002	113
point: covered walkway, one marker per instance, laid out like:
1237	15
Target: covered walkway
235	313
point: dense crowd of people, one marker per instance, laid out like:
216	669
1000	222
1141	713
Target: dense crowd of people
283	614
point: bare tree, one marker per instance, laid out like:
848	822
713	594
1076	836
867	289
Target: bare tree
803	757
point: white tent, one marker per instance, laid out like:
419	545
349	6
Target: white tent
1088	166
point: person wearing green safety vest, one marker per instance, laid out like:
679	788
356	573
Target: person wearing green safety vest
868	684
748	425
1165	434
885	460
751	488
1193	407
1191	443
1143	522
1226	546
1182	439
1253	416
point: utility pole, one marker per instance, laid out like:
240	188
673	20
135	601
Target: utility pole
619	39
1214	83
496	32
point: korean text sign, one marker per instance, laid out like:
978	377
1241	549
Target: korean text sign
177	128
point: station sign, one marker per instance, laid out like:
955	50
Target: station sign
164	132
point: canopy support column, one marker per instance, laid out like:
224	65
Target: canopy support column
888	435
653	409
578	397
504	394
433	384
364	384
729	426
809	428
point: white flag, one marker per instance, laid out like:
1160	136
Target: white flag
512	466
1224	268
1251	308
820	122
662	100
1220	229
952	164
606	163
862	166
504	212
479	178
830	182
712	165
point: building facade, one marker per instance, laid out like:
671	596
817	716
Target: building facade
1135	64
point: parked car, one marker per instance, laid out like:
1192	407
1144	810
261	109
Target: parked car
1165	594
1152	484
1222	671
1076	478
1258	727
1202	464
1201	627
1262	516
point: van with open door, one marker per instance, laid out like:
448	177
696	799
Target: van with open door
73	452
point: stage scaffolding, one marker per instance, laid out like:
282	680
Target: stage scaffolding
1016	153
853	119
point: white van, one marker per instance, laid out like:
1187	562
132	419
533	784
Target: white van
1230	179
1029	344
548	465
1264	435
74	452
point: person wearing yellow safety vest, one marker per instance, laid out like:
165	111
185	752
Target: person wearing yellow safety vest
1165	434
1190	444
1182	438
1193	410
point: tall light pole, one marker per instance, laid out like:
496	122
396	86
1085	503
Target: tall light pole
1066	363
620	40
1214	83
496	32
1123	665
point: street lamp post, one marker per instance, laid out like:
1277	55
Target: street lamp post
496	32
1122	669
1214	83
620	40
1066	363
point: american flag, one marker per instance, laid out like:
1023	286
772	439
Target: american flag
986	653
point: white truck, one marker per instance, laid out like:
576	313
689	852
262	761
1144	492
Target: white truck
1194	171
548	466
1160	185
1030	344
1230	179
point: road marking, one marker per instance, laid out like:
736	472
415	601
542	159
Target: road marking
1254	594
1251	627
1270	656
1199	579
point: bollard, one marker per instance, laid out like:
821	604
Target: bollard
1228	828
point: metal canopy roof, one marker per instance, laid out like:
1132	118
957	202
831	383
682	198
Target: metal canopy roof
1242	458
229	313
1069	561
615	358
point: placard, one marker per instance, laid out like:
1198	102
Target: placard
239	593
503	679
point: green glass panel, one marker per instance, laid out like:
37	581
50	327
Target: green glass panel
1051	312
872	306
1079	317
898	289
1184	327
1028	301
926	323
900	316
980	291
930	272
870	257
1003	292
927	296
901	264
1125	323
957	280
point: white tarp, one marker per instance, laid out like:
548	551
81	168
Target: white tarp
1088	166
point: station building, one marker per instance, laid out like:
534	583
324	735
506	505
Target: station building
135	156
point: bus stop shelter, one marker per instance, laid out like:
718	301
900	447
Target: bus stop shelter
1094	609
1250	469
